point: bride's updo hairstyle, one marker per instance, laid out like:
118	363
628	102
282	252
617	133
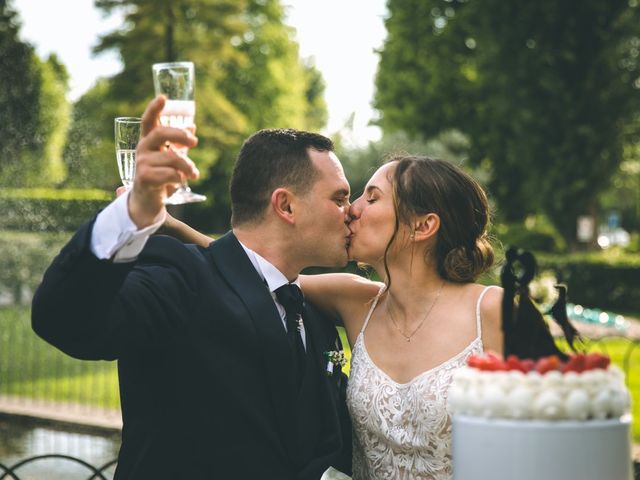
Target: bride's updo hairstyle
422	185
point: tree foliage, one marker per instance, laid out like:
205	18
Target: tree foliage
248	69
167	30
19	85
249	76
547	92
90	151
53	122
271	86
33	107
360	163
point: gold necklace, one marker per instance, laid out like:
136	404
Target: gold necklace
433	304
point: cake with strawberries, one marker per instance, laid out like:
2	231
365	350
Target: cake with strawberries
540	413
549	418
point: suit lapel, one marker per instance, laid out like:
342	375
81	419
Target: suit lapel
231	260
319	342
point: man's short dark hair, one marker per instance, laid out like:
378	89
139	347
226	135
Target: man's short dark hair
268	160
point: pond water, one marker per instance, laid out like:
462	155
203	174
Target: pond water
20	439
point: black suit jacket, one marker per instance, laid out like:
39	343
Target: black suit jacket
206	384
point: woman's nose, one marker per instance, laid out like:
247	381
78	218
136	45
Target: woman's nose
355	208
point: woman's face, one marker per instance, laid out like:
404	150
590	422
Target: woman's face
373	218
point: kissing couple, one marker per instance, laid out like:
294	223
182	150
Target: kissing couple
229	361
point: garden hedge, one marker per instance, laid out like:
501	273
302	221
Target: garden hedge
598	280
49	210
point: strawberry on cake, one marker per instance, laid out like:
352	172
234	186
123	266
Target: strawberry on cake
581	388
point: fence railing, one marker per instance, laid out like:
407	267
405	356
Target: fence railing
96	473
36	374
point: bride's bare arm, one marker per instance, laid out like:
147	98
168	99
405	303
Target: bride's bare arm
343	295
177	229
183	232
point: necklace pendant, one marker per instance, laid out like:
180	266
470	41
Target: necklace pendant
409	340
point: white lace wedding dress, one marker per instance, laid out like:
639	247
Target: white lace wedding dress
402	430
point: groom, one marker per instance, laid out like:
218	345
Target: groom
222	376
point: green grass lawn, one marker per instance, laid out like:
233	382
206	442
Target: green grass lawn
617	349
32	368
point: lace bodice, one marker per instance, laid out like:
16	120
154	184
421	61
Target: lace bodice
402	430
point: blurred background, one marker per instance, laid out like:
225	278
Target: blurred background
538	100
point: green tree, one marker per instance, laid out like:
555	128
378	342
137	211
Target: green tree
269	68
249	76
90	152
33	107
316	114
53	121
361	162
19	86
272	87
167	30
623	194
545	91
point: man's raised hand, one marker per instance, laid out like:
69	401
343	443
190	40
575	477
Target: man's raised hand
159	169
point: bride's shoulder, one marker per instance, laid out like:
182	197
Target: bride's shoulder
346	295
490	298
489	306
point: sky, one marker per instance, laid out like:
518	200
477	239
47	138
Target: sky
341	35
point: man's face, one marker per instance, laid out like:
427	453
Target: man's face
324	214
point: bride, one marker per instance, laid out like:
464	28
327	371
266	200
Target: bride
422	225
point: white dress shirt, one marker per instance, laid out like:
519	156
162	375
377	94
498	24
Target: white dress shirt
274	279
115	236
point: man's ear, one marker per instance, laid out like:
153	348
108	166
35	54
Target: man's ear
282	204
426	227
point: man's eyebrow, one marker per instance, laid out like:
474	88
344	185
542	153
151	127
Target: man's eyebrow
342	192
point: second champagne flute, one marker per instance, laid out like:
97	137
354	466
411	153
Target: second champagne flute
127	134
176	81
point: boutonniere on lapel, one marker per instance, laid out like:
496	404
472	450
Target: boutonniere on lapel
334	358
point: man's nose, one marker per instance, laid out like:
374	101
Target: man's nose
347	212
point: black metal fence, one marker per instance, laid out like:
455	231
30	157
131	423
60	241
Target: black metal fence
97	473
36	375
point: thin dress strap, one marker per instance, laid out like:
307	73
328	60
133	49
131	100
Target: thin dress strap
478	321
373	306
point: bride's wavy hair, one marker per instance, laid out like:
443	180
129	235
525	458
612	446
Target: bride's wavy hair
423	185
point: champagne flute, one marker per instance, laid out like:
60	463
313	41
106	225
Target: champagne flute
127	134
176	81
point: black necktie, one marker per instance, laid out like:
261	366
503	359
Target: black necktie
291	298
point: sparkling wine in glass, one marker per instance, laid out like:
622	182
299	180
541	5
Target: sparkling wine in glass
176	81
127	134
